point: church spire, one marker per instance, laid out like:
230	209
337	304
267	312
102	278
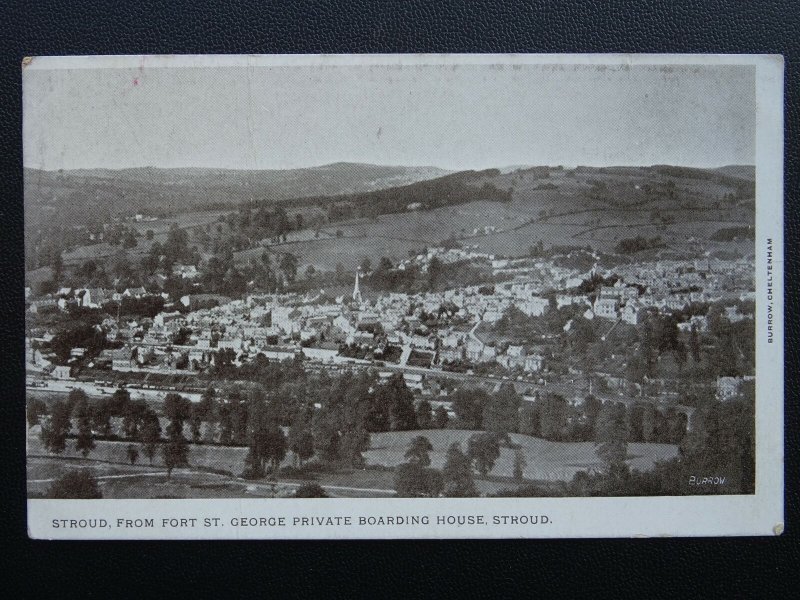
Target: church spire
356	290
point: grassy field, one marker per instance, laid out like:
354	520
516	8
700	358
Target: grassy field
564	215
325	254
559	209
215	470
221	458
160	229
546	461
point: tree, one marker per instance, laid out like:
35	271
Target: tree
55	428
266	443
129	240
680	354
149	235
84	442
150	434
175	449
288	265
647	347
611	435
648	424
118	403
412	480
101	418
435	270
530	419
341	273
418	450
177	407
635	420
591	408
722	441
57	265
440	417
402	416
132	418
78	484
275	446
212	432
326	441
553	416
366	266
197	413
519	464
457	475
385	264
133	453
676	425
468	405
501	412
301	440
74	397
353	442
483	450
392	408
424	415
310	490
36	409
694	344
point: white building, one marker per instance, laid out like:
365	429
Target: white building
606	308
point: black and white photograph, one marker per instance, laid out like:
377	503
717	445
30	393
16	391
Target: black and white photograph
508	280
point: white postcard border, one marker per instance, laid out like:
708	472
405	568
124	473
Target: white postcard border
685	516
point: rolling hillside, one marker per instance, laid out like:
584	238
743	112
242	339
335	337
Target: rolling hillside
354	212
71	195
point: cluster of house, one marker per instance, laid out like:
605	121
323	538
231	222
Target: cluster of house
473	350
186	336
714	276
730	387
84	297
625	301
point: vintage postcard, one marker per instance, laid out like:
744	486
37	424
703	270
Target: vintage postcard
403	296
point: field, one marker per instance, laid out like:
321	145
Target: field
206	478
546	461
554	206
159	227
214	469
558	210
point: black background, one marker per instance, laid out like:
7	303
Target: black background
642	568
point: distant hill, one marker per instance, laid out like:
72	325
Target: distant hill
448	190
373	211
73	194
740	171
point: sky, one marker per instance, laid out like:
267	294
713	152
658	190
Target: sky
453	117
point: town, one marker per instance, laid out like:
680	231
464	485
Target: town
425	335
654	334
496	332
